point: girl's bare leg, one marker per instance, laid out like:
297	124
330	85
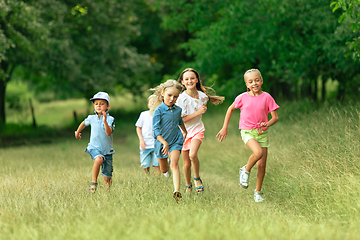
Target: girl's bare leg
164	165
194	148
187	167
174	156
261	165
256	156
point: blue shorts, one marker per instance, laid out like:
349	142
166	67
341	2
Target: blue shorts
146	156
262	138
106	166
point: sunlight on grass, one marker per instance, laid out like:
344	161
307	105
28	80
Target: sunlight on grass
311	187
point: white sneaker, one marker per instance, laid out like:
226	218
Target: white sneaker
244	177
168	173
258	196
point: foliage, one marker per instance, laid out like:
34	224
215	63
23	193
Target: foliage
289	41
351	17
72	47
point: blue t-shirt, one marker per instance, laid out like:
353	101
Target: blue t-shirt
166	123
98	138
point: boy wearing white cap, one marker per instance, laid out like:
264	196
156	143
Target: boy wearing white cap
100	145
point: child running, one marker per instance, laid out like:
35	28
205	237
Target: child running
254	106
100	145
144	132
193	103
168	137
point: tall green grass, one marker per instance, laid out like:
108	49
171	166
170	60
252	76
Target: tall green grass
311	187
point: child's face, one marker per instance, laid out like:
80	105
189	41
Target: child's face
170	96
253	82
100	105
189	80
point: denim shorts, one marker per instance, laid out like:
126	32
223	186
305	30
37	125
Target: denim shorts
262	138
146	156
106	166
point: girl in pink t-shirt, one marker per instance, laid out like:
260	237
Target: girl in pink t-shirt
255	105
193	103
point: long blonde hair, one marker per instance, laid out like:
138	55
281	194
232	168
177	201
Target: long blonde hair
212	97
157	98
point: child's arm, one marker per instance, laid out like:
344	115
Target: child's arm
79	129
199	112
182	126
108	130
165	149
272	121
141	139
223	132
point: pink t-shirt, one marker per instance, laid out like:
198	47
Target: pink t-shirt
254	109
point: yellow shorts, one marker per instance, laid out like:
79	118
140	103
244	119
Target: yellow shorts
262	138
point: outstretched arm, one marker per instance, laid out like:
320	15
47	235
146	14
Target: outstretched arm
223	132
79	129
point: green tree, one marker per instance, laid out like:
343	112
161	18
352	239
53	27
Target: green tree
72	46
351	18
289	41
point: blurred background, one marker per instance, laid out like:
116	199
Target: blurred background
55	55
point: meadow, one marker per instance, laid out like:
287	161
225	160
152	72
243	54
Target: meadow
311	187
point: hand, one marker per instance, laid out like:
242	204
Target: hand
104	116
77	135
165	150
263	124
142	144
202	109
222	134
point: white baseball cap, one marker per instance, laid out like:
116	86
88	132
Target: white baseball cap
101	95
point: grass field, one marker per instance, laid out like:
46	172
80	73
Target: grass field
311	188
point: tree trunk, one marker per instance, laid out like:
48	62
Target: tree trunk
2	102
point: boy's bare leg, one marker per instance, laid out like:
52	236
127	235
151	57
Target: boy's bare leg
108	182
147	170
96	168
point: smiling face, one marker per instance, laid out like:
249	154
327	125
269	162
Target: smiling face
100	105
170	96
253	82
189	80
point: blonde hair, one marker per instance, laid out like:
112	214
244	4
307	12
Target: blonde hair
157	98
252	70
212	97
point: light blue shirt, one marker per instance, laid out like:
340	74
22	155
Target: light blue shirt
98	138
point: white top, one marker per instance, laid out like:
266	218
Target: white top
190	105
145	122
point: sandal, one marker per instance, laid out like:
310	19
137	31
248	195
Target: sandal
93	186
177	196
188	189
199	187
